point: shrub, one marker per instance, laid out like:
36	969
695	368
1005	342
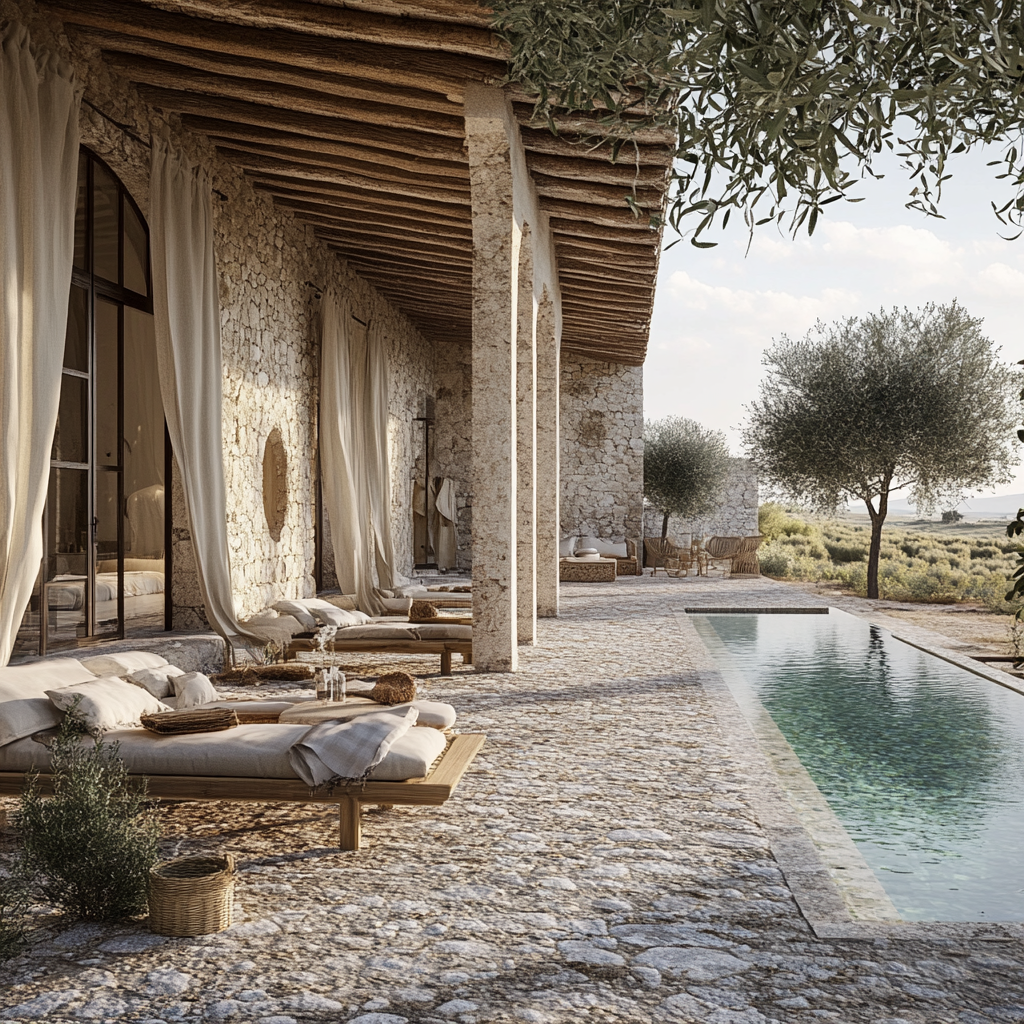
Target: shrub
14	900
773	521
89	847
774	560
951	516
846	552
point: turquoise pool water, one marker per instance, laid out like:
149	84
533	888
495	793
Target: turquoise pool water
922	762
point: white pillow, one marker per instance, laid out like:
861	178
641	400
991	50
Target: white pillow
396	605
106	704
156	680
123	663
324	613
567	547
24	707
192	689
353	618
297	610
589	542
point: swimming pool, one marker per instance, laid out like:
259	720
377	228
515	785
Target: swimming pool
921	761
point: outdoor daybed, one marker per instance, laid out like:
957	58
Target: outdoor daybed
248	762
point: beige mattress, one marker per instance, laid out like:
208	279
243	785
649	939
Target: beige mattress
248	751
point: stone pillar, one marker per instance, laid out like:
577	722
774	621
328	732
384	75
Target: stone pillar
526	441
549	485
496	243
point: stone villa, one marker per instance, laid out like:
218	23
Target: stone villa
362	158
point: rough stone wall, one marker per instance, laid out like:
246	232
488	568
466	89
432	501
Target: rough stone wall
736	516
269	335
452	445
602	449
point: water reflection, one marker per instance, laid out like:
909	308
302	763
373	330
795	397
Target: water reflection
921	761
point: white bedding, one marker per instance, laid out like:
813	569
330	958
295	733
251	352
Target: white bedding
67	593
249	751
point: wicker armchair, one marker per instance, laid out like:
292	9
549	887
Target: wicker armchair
658	550
739	552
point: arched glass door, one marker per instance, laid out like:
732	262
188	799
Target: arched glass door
104	570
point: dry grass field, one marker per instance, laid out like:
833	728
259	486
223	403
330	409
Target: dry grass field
921	560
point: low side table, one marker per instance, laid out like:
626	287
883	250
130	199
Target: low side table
586	570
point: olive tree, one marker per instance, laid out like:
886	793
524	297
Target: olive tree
871	405
773	107
685	466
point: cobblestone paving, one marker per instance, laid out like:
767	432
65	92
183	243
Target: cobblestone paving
601	862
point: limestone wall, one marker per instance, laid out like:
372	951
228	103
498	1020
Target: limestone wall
452	446
270	268
602	449
736	515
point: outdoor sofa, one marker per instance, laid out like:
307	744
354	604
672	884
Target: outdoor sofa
249	762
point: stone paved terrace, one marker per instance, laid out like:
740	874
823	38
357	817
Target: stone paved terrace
607	859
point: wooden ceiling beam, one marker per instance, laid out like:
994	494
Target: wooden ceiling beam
371	171
341	22
313	213
540	140
457	11
438	72
326	191
593	215
117	46
591	129
582	191
578	227
605	172
383	232
352	242
338	176
228	131
175	78
601	250
436	147
386	263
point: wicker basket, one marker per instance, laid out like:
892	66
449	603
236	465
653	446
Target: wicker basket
191	895
176	723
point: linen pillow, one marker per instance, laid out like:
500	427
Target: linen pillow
567	547
297	610
123	663
156	680
24	707
106	704
325	613
396	605
193	689
347	602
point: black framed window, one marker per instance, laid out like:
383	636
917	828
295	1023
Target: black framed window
105	526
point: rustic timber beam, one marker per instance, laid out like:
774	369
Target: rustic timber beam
595	192
592	214
374	171
380	230
443	73
437	147
313	212
114	45
604	171
337	176
384	264
162	75
578	227
325	191
344	23
541	140
227	131
356	243
458	11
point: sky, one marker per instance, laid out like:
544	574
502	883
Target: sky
717	310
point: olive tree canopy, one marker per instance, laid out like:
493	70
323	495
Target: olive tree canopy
685	466
778	106
870	405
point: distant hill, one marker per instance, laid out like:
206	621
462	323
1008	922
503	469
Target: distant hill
1001	505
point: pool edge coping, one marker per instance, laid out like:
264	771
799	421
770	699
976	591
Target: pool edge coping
817	897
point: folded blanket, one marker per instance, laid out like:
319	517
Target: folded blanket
347	750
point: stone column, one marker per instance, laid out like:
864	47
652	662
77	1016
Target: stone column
549	485
496	243
526	441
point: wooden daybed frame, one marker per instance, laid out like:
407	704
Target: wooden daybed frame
446	648
431	791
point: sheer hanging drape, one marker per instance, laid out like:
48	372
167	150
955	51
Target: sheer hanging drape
187	313
39	103
356	479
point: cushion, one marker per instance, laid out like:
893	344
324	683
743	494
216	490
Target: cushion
567	547
396	605
347	602
106	704
375	631
411	590
297	610
24	706
279	630
123	663
192	689
439	631
156	680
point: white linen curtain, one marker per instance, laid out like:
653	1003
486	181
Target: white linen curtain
356	479
186	305
39	104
